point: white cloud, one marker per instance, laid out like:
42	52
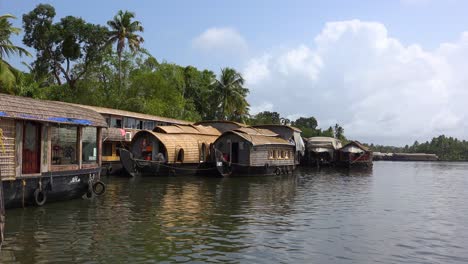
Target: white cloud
263	106
379	89
220	39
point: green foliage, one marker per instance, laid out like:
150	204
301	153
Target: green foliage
8	74
66	49
446	148
266	118
230	93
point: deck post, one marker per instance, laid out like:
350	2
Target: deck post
2	211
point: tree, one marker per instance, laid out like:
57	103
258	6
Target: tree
8	74
339	132
66	49
266	118
231	94
306	122
123	32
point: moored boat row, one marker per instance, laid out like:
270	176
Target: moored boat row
327	151
54	150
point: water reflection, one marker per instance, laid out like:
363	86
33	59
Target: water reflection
395	212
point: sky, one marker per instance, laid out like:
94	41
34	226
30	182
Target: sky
390	72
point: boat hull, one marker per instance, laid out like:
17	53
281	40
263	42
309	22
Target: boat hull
57	186
153	168
236	170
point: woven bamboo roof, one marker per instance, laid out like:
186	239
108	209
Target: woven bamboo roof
259	139
257	131
25	108
275	125
187	129
190	143
117	112
357	144
221	125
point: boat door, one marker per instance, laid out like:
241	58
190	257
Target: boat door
31	148
235	152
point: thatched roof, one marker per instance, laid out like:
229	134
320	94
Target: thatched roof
117	112
357	144
187	129
260	140
190	143
315	142
257	131
270	126
221	125
25	108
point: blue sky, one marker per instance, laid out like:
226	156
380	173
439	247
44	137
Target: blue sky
170	26
292	46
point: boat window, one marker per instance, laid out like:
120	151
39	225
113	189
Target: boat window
149	125
270	154
283	154
287	155
89	145
64	144
139	124
130	123
203	152
116	122
180	156
275	154
107	149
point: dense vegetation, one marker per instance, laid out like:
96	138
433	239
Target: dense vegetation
447	148
80	62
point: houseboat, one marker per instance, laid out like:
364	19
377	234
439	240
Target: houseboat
405	156
321	151
171	150
291	134
255	151
354	154
121	126
48	151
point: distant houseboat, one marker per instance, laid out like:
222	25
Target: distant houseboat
48	151
405	156
321	151
171	150
256	151
354	154
121	126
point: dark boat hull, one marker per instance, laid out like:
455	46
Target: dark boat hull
58	186
112	168
242	170
153	168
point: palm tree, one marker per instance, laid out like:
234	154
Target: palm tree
231	94
123	32
8	74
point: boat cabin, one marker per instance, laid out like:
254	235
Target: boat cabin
175	149
290	133
355	154
121	127
48	150
254	151
321	150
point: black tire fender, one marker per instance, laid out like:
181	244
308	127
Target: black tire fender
277	171
99	188
40	197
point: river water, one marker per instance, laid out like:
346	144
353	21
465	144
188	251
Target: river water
397	212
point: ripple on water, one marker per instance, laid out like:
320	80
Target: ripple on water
395	213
